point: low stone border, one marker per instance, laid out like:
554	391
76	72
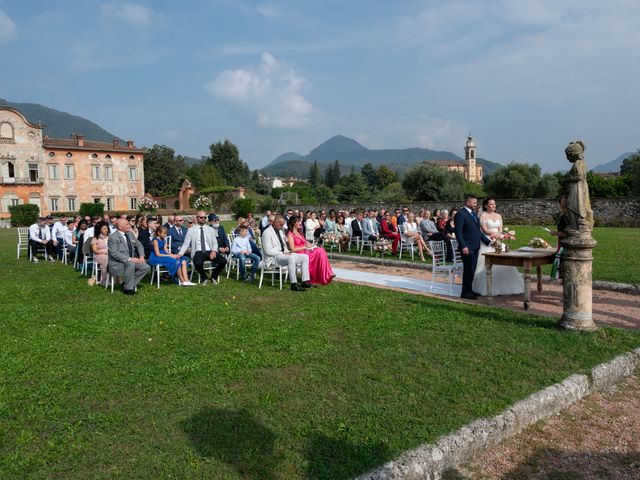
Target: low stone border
617	287
429	461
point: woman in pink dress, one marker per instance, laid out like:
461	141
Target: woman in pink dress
319	268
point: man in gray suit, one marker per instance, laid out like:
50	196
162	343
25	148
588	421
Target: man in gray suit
370	228
126	257
201	239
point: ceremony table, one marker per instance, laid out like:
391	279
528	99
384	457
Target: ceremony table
535	257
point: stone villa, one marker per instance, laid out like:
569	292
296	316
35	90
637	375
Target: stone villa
60	174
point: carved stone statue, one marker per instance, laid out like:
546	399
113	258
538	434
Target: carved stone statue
578	244
579	213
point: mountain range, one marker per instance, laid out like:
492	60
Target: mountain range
614	165
350	153
59	124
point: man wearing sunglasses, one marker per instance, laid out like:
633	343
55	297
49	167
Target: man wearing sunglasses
201	239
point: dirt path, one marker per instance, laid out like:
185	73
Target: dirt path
596	438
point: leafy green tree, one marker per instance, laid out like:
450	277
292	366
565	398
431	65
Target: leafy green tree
332	174
204	175
607	187
242	206
369	174
315	177
394	193
385	177
163	170
474	189
630	170
516	180
225	157
432	182
352	187
324	194
548	186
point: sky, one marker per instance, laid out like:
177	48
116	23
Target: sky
524	77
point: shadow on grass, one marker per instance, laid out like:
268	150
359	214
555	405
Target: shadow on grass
337	458
234	437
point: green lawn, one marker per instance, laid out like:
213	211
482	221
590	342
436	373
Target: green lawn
616	258
235	382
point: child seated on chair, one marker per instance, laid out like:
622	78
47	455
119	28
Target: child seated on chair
162	256
241	249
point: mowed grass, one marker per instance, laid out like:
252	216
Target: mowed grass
235	382
616	258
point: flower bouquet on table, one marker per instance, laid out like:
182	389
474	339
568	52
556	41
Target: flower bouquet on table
537	242
331	240
202	203
147	204
382	245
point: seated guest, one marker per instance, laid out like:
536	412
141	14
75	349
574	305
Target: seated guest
57	235
171	220
201	239
312	228
330	222
442	221
78	242
49	224
177	232
404	215
250	233
429	230
252	222
356	225
40	236
100	252
126	258
320	271
175	264
264	223
241	249
450	233
133	221
343	232
387	230
411	233
146	235
112	223
370	227
68	238
221	235
276	251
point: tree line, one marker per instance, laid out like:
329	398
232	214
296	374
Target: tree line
223	167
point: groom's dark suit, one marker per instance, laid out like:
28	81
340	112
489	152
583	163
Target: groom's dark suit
469	235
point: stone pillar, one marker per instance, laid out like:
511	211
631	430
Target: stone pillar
576	268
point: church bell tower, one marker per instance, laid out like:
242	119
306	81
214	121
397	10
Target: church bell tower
471	172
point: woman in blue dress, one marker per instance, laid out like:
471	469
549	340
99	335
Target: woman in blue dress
174	263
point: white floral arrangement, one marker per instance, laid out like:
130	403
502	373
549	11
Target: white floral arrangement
331	239
508	235
537	242
382	245
147	204
202	203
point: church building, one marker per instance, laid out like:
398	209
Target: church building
469	168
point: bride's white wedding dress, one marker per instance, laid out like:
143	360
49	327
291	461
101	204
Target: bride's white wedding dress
506	280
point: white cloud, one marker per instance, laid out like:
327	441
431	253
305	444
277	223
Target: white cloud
8	29
132	13
272	90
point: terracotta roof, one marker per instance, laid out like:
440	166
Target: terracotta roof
72	144
446	162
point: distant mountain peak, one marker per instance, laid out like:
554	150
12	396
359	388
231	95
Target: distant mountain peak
338	143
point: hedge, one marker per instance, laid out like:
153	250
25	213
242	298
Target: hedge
91	209
24	215
242	206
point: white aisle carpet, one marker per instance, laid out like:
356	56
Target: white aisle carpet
406	283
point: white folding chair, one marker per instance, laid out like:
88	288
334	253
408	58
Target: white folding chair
282	271
23	240
86	260
406	243
440	268
155	273
366	243
208	265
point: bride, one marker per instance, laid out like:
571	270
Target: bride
506	280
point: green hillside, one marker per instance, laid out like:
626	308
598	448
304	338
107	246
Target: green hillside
350	153
59	124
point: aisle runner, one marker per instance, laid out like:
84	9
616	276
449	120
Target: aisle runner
396	281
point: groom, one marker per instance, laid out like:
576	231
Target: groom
469	236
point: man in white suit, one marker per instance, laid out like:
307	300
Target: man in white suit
274	247
201	239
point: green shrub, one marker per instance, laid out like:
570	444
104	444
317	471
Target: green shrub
91	209
24	215
242	206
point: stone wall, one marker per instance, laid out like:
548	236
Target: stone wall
613	212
